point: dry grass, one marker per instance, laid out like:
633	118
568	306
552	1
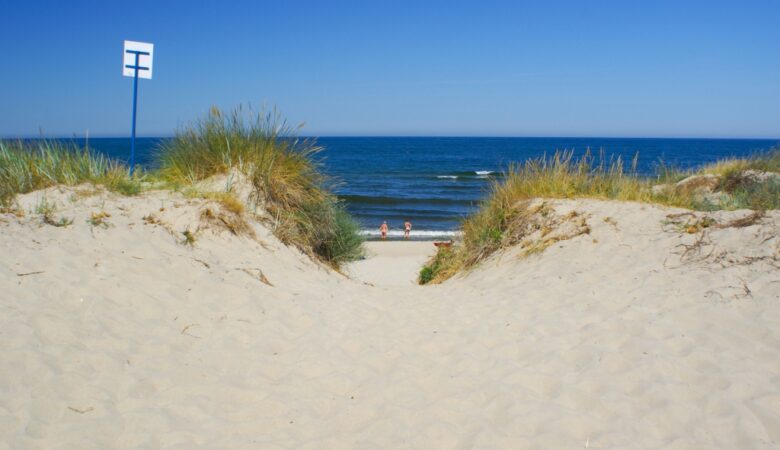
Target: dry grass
534	226
61	222
29	166
47	210
231	221
762	162
742	189
228	202
749	220
692	223
508	216
13	209
151	219
284	172
99	219
688	222
189	238
257	274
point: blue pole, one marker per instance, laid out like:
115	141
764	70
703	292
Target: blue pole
135	102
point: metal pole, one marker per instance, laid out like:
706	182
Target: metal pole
135	101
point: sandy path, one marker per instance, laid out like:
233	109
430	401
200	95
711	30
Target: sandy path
130	339
392	263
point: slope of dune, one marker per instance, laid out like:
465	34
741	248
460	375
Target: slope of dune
117	333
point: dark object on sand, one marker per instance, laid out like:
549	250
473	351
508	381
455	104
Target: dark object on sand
445	244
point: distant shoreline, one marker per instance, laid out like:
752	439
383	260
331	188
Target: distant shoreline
73	136
436	182
419	235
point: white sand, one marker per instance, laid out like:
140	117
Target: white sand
129	339
392	263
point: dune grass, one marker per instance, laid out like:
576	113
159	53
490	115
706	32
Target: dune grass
284	172
762	162
501	220
744	192
285	176
27	166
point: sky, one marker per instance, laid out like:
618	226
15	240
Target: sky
455	68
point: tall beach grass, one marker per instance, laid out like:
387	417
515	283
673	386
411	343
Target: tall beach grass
27	166
284	172
762	162
499	223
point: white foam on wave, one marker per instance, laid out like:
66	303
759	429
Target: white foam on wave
450	177
429	234
483	172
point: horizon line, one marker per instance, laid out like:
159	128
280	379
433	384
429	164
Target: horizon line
406	136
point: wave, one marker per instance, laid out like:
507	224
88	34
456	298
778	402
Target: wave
399	215
472	174
418	234
353	198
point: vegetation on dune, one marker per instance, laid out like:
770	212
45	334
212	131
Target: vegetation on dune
284	176
284	173
507	216
27	166
439	266
740	183
46	210
746	194
764	162
343	241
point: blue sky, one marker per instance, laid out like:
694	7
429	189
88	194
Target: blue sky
552	68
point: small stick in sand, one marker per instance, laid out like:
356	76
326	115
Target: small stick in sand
29	273
81	411
260	275
203	262
748	292
184	330
746	221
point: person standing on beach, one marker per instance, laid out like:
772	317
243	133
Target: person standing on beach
407	228
383	230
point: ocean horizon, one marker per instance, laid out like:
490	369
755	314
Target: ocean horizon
437	181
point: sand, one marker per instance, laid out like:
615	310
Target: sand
124	337
392	263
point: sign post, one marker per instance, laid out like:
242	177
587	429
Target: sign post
136	63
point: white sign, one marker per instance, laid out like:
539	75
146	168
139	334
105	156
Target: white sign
140	53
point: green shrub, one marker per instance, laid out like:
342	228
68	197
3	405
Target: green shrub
346	243
756	196
427	274
439	267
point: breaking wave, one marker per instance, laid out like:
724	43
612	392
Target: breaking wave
415	234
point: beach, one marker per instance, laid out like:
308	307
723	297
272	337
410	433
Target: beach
331	225
392	263
437	181
121	334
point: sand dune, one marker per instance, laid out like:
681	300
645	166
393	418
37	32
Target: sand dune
637	335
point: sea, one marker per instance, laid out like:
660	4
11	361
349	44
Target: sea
434	182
